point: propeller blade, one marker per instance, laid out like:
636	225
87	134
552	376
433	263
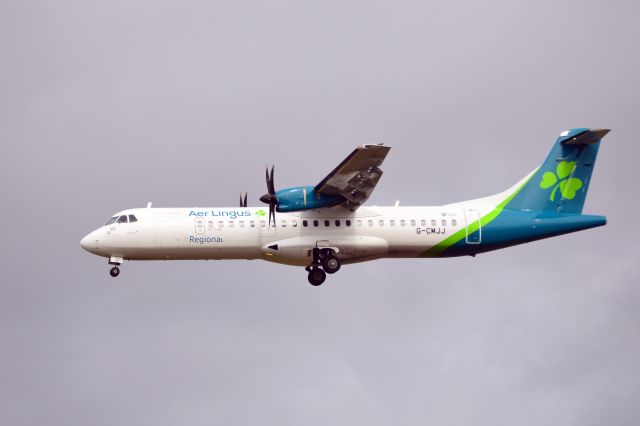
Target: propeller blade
245	199
272	213
270	184
266	172
270	197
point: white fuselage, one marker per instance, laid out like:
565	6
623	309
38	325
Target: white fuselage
243	233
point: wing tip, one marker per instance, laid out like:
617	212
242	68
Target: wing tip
374	146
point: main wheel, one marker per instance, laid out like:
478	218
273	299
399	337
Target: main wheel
331	264
115	271
316	276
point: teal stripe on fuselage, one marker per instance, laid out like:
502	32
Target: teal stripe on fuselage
513	227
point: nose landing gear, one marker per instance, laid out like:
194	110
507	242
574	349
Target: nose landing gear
329	262
115	261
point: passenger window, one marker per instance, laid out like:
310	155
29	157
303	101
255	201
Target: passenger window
403	222
263	224
347	222
220	224
305	223
252	223
454	222
433	222
359	222
242	224
327	222
444	222
231	224
316	223
112	220
132	218
413	222
392	222
381	222
283	223
370	222
122	219
294	223
210	225
337	223
423	222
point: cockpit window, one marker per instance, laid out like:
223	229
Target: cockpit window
112	220
132	218
122	219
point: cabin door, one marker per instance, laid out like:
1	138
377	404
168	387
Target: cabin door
473	226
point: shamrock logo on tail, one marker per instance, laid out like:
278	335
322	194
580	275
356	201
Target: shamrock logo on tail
261	212
568	186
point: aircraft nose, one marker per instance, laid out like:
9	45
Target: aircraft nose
88	242
84	243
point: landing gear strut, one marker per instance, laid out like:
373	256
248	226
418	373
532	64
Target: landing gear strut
326	259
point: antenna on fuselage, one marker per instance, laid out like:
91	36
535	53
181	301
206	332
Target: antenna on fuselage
149	204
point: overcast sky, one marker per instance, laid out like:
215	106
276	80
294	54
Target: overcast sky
107	105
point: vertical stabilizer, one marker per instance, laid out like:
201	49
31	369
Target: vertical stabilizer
562	182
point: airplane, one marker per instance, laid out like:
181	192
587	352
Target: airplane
325	226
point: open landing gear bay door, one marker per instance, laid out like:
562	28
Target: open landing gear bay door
355	178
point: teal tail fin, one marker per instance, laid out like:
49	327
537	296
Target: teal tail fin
562	182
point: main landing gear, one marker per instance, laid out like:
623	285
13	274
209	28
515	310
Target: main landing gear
326	259
316	276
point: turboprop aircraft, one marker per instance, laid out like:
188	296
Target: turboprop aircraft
325	226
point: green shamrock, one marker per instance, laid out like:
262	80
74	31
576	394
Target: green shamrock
568	187
261	212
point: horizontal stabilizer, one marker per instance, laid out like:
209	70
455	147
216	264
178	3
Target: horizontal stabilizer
588	137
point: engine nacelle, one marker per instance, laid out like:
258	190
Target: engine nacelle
304	198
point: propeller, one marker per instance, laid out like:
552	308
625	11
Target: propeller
270	197
243	199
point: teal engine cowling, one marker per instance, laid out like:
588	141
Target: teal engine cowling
304	198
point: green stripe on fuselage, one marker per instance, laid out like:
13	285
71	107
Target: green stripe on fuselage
437	250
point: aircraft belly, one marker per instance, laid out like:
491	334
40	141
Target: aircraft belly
191	253
410	244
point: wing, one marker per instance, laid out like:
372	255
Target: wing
355	178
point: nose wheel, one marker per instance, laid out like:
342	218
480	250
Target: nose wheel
115	271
